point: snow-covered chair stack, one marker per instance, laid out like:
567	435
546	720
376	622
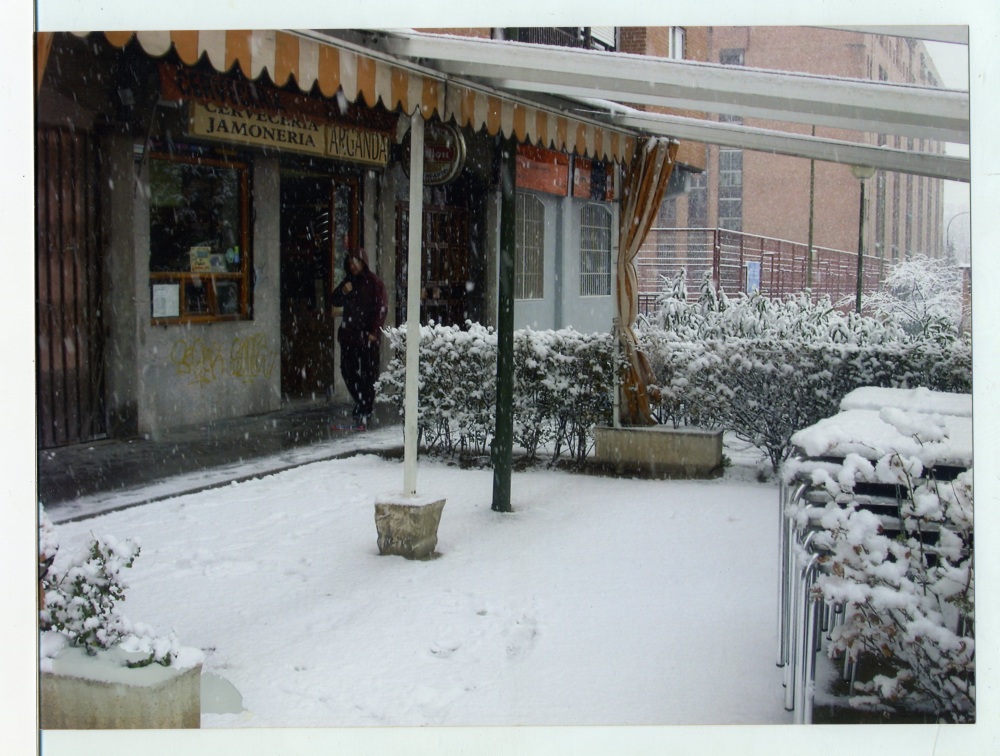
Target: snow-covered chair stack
843	459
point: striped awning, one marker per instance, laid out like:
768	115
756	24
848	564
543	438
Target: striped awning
283	55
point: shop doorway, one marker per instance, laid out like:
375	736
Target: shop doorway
320	221
68	289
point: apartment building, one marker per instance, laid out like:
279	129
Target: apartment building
772	195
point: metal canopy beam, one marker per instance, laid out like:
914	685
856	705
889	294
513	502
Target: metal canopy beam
947	167
958	35
857	105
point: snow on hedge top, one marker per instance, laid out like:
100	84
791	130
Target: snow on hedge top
920	399
934	439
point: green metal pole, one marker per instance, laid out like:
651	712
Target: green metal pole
861	250
812	205
503	436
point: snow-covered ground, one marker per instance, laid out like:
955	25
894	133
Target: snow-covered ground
598	601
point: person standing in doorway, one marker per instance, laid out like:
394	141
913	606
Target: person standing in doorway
362	295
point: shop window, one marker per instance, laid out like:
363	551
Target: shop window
529	269
198	239
595	251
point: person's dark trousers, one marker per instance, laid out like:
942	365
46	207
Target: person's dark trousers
359	366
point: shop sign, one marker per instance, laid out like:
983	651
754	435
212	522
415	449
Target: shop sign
444	153
358	145
288	132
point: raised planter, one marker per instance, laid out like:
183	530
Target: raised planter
408	527
81	692
659	451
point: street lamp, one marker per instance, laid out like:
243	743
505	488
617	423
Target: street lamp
947	233
861	172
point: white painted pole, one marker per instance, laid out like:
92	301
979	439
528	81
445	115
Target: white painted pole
616	316
413	275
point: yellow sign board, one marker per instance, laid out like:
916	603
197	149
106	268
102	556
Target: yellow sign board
287	132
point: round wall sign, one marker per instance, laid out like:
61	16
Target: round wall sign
444	153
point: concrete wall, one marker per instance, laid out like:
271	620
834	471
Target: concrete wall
193	373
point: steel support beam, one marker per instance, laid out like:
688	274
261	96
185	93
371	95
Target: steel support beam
854	104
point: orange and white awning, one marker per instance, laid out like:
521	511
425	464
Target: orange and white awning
283	55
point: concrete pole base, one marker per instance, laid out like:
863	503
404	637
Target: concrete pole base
408	527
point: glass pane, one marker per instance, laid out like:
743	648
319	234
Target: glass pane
195	297
194	218
529	255
344	232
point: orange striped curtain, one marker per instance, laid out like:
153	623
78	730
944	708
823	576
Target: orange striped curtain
645	185
43	46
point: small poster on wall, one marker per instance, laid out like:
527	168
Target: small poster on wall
166	300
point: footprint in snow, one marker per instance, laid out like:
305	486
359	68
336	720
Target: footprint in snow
444	649
521	637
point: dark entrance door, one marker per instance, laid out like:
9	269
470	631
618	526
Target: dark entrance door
446	255
320	219
68	295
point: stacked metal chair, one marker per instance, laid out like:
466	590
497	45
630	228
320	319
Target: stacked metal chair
860	428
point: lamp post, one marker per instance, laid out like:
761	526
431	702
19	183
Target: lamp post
947	233
861	172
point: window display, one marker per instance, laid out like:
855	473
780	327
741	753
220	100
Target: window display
198	238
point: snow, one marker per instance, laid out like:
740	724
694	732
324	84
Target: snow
919	399
931	438
599	601
110	666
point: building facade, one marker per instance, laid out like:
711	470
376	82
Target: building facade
769	195
197	193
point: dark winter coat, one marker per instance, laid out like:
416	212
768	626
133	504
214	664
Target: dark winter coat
365	306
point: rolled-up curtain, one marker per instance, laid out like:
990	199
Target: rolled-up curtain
43	46
645	185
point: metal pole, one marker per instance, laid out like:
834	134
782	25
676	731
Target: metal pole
812	205
413	275
861	249
503	437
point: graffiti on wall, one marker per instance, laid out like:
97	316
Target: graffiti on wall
203	362
251	358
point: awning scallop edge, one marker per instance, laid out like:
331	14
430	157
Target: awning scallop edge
284	55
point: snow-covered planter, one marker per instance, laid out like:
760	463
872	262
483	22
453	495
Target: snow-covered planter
98	669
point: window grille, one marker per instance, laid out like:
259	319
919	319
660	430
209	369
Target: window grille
595	251
529	261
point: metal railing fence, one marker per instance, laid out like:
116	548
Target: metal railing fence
740	262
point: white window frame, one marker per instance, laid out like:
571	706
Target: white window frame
595	250
529	253
678	36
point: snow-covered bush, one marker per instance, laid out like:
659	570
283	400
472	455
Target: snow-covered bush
457	385
564	382
923	295
764	369
562	387
80	596
908	599
797	318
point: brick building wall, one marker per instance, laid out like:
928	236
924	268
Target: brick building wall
904	214
655	41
